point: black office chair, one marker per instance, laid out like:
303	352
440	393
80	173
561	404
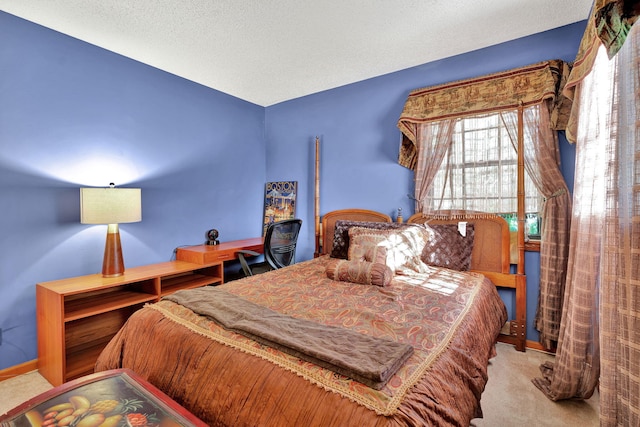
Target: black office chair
279	248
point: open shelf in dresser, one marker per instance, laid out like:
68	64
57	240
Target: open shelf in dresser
78	316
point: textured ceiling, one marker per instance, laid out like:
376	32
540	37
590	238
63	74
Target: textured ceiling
271	51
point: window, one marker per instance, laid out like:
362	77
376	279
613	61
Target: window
480	173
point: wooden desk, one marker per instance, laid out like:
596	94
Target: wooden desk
225	251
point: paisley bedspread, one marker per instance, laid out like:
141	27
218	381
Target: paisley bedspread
450	318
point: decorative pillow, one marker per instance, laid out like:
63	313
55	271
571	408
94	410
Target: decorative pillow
446	247
340	247
363	272
399	249
366	248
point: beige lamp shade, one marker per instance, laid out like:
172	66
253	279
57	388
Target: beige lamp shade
110	205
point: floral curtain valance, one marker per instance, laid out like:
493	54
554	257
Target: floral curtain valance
609	24
506	90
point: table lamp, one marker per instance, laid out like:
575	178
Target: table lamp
111	206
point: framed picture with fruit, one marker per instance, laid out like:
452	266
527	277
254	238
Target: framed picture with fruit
116	398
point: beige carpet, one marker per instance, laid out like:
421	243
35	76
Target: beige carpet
510	398
19	389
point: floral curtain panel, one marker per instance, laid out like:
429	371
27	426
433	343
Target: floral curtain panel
575	370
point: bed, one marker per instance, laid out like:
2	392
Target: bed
447	319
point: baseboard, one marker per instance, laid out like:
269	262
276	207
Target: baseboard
14	371
535	345
529	345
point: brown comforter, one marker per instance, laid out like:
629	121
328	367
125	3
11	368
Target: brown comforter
451	320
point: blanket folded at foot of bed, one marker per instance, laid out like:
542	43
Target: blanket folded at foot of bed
369	360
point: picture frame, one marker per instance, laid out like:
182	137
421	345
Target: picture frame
117	397
279	202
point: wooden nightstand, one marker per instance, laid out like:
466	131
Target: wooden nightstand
78	316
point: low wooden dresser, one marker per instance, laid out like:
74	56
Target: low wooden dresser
77	317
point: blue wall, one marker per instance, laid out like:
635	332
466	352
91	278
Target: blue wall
72	115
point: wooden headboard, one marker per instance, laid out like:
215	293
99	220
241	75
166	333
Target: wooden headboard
491	238
330	218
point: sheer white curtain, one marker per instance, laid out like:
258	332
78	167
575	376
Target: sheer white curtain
470	164
434	139
600	328
620	282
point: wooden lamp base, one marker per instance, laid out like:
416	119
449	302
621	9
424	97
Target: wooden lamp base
113	263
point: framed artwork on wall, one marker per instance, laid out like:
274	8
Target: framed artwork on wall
279	202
